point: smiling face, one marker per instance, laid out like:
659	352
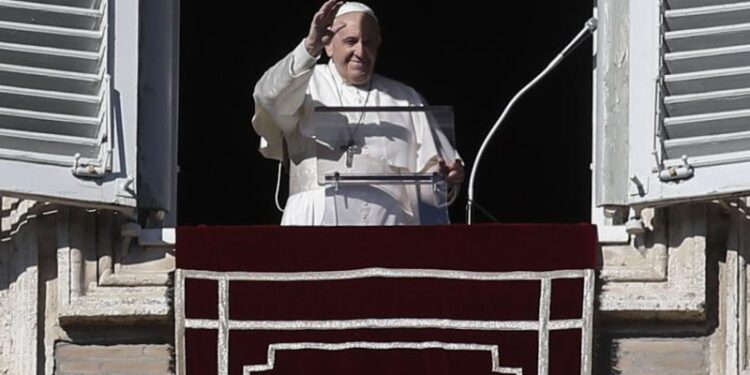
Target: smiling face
355	47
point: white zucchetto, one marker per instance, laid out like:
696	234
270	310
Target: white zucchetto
354	6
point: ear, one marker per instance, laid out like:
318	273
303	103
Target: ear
329	50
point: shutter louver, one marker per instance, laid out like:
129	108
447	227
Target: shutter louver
54	86
69	92
705	112
687	107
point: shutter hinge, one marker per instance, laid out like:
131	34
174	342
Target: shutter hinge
676	173
92	170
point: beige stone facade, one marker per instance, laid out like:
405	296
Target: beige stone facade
688	313
72	359
80	293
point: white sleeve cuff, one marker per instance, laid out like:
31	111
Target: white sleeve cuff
301	60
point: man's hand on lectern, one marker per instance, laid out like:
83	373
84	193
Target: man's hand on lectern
453	172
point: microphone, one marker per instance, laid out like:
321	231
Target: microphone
588	29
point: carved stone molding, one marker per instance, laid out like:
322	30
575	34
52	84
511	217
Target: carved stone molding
19	288
71	266
104	275
14	213
734	315
663	273
645	259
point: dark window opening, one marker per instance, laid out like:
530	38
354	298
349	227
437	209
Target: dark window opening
473	56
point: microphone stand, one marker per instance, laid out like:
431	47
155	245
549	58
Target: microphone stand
587	30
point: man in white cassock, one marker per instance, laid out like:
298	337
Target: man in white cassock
286	120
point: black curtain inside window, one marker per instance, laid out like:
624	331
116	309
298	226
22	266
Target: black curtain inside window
473	56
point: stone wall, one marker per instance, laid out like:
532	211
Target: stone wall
72	359
81	292
692	319
658	356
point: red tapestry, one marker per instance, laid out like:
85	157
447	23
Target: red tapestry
481	299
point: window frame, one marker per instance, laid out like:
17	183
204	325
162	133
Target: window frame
626	150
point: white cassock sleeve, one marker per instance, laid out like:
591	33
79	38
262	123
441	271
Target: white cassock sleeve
279	96
414	141
433	143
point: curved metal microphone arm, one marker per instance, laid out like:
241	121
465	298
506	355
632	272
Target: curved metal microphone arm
587	30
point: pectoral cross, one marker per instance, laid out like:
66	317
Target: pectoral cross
350	148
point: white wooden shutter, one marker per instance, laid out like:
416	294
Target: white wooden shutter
690	99
68	90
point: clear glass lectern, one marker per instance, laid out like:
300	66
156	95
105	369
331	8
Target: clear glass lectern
381	165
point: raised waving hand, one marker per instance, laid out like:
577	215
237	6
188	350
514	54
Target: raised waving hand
322	28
